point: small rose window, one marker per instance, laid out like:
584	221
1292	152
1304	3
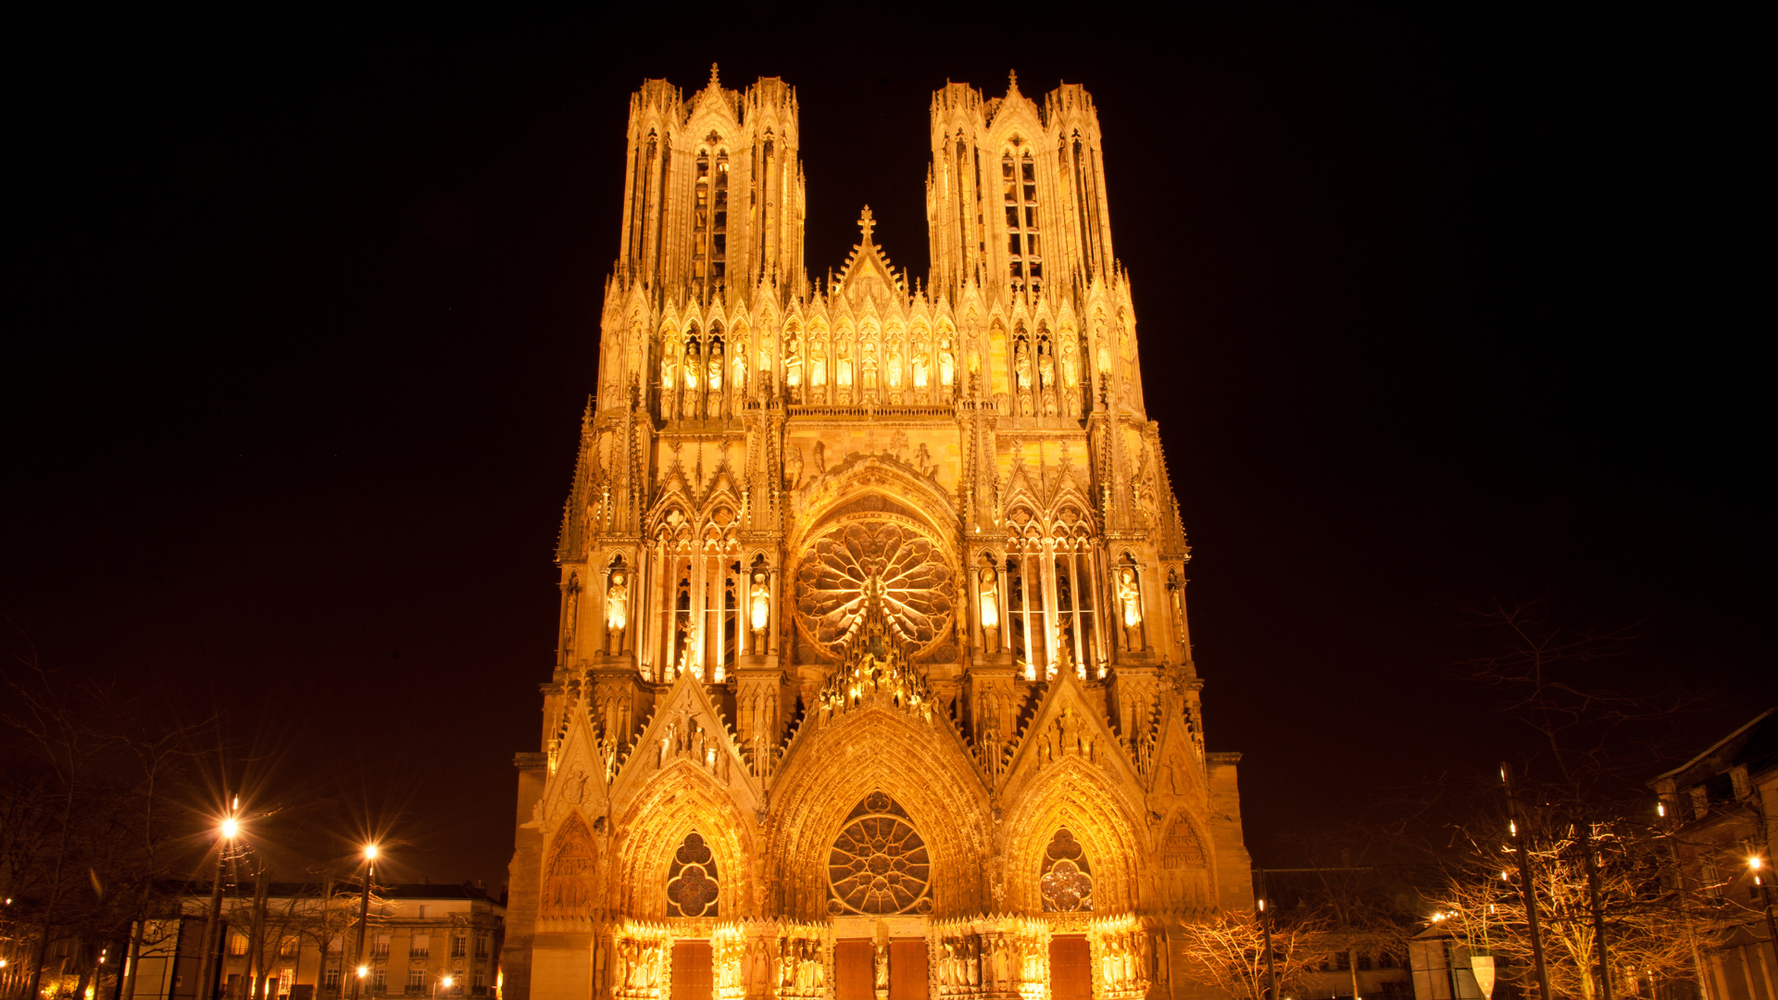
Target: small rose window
691	880
1067	882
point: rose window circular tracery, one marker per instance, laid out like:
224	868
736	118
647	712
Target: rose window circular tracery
879	863
845	561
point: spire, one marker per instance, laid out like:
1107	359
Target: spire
715	80
1012	82
866	224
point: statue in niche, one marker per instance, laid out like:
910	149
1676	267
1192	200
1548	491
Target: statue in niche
1021	364
920	369
1070	371
1129	599
923	461
947	364
570	618
820	458
1046	371
740	366
617	595
759	596
715	368
869	365
882	967
793	361
843	366
691	373
669	370
818	367
793	468
894	368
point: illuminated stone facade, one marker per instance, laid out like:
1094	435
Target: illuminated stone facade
873	677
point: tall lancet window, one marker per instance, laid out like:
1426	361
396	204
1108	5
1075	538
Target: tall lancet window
691	879
709	239
1023	243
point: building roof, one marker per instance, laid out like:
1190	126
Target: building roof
1754	745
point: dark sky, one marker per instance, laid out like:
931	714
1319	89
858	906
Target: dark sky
1433	307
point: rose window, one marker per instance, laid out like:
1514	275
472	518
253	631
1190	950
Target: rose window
1067	882
691	880
879	863
851	560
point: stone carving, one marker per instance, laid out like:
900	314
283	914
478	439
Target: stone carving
879	864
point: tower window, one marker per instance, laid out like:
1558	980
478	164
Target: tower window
1023	246
709	244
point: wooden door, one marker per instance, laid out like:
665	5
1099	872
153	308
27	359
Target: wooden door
907	970
1071	968
691	970
854	970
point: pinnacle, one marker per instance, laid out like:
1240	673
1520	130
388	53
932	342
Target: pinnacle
715	79
1012	82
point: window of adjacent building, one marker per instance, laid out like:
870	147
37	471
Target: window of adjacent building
421	947
1067	882
287	946
1018	176
237	944
330	980
481	979
691	879
1742	785
379	979
459	946
381	945
481	947
416	979
286	979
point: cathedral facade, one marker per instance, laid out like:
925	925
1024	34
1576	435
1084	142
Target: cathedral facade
873	678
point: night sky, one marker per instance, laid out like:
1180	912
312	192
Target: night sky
1433	308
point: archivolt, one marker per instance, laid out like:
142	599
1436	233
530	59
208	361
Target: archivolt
678	800
1073	793
921	766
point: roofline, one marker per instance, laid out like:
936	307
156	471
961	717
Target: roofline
1718	744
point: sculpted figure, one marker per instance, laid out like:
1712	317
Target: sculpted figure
1129	597
793	469
882	966
843	367
870	368
818	368
894	368
759	596
947	363
793	361
669	370
1046	371
920	369
692	364
617	597
1070	373
570	616
1021	363
715	368
820	457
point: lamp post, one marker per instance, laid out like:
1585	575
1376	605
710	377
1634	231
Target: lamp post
1757	865
444	981
225	833
370	870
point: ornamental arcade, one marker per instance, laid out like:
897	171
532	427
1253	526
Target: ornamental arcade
873	679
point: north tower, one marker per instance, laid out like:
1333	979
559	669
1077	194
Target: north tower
873	675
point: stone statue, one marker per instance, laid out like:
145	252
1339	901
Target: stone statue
882	966
920	369
692	364
1021	363
793	361
570	617
759	596
869	365
1070	373
818	368
617	596
793	469
947	363
715	368
1129	599
843	368
820	458
669	368
1046	372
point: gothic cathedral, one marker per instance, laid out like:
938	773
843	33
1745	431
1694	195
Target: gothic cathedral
873	678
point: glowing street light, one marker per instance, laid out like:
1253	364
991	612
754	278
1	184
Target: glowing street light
370	870
226	831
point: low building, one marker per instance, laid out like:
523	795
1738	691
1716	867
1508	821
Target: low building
419	940
1720	805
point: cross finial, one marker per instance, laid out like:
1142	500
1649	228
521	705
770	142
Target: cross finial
714	81
866	223
1012	81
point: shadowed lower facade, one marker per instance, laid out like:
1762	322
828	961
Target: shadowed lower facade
873	675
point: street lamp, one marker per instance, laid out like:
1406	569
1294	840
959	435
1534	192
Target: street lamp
370	870
1757	865
226	832
444	981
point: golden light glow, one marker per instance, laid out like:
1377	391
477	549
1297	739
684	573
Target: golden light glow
370	852
363	970
230	827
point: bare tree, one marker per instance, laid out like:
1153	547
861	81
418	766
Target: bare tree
1228	953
